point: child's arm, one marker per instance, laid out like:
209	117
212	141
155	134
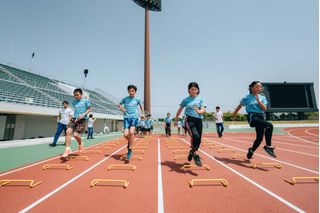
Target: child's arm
177	116
142	110
264	107
121	108
202	110
234	114
85	113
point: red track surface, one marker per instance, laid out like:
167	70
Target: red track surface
249	190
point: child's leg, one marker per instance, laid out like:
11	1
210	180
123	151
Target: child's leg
68	141
77	137
126	134
268	133
222	128
68	137
259	133
198	134
57	135
131	136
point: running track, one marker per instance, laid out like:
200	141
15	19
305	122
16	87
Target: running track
158	184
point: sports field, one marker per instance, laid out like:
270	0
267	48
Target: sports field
158	177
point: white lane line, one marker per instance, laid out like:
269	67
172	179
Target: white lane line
305	140
279	161
286	150
160	188
253	182
40	162
309	133
278	141
26	209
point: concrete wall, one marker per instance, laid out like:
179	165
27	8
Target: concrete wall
36	126
29	126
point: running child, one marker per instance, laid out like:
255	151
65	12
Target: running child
82	107
256	105
91	120
64	117
219	121
148	125
195	108
129	107
179	123
168	121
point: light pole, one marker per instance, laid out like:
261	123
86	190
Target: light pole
31	62
153	5
85	72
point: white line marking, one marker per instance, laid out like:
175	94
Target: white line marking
253	182
286	150
40	162
305	140
67	183
279	161
309	133
160	189
280	142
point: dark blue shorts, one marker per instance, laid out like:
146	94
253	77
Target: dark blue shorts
128	122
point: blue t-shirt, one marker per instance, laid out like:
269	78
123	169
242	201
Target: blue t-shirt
189	104
131	106
168	120
149	123
251	104
142	123
80	107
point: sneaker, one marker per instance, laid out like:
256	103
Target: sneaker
190	155
80	148
129	154
52	144
250	153
197	160
66	153
269	150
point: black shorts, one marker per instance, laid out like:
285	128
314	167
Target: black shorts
77	125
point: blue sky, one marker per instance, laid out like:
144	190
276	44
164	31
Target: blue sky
222	45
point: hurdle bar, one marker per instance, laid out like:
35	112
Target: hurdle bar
294	180
226	150
72	157
133	157
137	151
174	147
57	166
276	165
180	151
180	157
238	155
91	152
122	166
192	166
122	183
142	144
139	147
220	180
32	183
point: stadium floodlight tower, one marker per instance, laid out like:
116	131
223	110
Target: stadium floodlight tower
85	72
153	5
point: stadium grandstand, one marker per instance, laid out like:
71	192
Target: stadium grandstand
29	105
